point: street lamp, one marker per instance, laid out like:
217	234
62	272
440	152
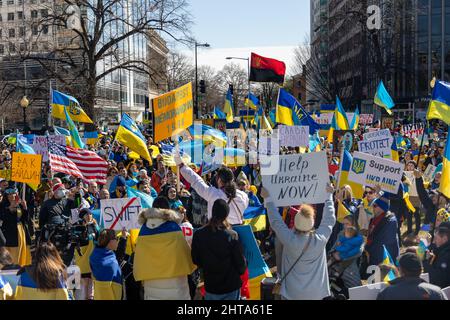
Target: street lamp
24	103
196	110
248	71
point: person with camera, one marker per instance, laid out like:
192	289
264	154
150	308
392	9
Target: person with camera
105	263
87	242
45	278
56	211
14	221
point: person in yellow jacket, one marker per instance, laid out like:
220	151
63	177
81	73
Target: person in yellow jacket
45	279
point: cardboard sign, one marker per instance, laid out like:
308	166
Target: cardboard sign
379	134
295	136
40	144
111	208
342	139
377	147
428	175
26	168
369	170
412	188
172	111
300	179
366	119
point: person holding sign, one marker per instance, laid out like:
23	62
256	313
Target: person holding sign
13	222
304	274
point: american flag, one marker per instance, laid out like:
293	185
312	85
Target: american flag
78	163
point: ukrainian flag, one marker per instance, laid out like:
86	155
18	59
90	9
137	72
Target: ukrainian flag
387	260
340	116
440	102
91	138
219	114
6	292
61	102
76	140
355	121
168	244
394	152
421	250
63	132
129	135
83	261
346	163
444	188
256	218
106	274
342	212
27	289
228	108
291	113
383	99
252	102
208	135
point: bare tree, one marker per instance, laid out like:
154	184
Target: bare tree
235	75
179	70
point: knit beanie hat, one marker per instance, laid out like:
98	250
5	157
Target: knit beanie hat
383	203
304	222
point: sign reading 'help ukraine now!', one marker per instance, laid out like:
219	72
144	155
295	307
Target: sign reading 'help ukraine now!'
369	170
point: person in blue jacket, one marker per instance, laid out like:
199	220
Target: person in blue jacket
382	231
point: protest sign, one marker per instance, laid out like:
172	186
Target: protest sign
369	170
412	188
366	119
324	118
40	144
377	147
428	175
26	168
173	111
269	142
342	138
111	209
236	138
378	134
301	178
294	136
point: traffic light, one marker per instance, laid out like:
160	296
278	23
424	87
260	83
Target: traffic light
202	86
147	103
231	89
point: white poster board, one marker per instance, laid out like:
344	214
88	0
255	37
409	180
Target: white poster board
300	179
366	119
412	188
385	133
380	147
325	118
369	170
367	292
111	208
428	175
40	144
294	136
269	142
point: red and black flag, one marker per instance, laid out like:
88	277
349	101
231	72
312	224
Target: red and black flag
267	70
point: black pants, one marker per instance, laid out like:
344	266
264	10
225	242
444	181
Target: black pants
416	216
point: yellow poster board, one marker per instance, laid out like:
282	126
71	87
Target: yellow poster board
173	111
26	168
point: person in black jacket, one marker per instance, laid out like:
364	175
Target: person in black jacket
438	263
216	250
57	209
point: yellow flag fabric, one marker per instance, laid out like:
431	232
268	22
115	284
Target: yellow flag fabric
342	212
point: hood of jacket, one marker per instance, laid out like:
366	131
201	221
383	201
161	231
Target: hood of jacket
153	217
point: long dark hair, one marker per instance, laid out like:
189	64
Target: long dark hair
49	269
227	177
220	211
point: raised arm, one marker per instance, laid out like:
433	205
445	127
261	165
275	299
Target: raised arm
328	220
197	183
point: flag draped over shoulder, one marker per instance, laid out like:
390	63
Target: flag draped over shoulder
228	107
76	140
444	187
440	103
383	99
129	135
291	113
266	69
27	289
61	102
106	274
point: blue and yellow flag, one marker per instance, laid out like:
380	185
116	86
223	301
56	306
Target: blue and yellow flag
387	260
76	140
228	107
129	135
440	103
61	102
383	99
252	102
64	132
346	163
355	121
256	218
106	274
91	138
168	244
291	113
422	249
444	188
27	289
394	151
219	114
340	116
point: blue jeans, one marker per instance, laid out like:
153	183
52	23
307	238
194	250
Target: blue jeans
234	295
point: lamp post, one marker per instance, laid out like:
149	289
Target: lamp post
24	103
248	72
196	109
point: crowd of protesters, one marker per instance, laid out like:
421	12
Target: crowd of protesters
312	254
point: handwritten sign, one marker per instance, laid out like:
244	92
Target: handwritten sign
26	168
378	134
295	136
377	147
172	111
366	119
269	142
369	170
300	179
40	144
111	208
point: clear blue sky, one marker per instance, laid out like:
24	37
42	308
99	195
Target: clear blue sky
249	23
